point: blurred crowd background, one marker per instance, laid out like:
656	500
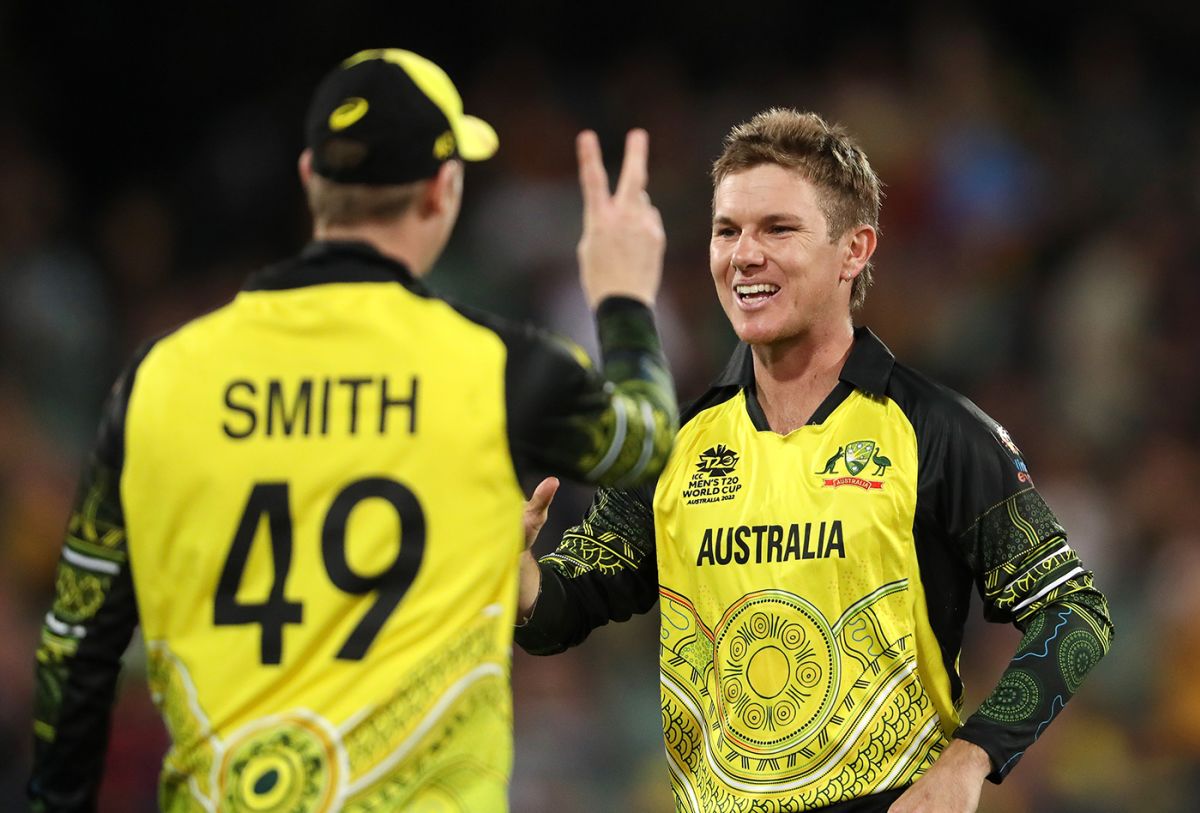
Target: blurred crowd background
1040	252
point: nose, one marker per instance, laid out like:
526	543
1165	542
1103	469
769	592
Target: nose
747	253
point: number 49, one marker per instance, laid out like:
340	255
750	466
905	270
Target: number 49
272	499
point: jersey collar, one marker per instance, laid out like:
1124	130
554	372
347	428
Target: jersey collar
332	261
868	368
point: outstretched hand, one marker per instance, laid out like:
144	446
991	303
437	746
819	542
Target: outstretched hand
536	511
623	243
538	508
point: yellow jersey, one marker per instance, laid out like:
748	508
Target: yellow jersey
813	588
309	500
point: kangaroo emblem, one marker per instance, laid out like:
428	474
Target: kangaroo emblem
881	463
831	464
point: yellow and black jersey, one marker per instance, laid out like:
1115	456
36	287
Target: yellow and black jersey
309	500
813	589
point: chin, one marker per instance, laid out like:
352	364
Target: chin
751	328
765	335
756	334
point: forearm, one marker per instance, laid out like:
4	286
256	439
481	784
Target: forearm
611	428
85	634
1032	577
1062	642
644	410
632	351
69	752
556	623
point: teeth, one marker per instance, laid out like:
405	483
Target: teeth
757	288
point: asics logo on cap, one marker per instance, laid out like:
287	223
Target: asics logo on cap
347	113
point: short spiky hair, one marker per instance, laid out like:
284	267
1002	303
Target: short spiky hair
825	155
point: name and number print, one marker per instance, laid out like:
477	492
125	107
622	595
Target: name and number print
267	411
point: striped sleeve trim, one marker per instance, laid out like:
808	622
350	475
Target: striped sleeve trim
648	430
618	442
91	563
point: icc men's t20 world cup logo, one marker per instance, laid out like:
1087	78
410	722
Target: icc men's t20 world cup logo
715	478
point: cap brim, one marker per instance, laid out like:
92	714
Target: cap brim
477	141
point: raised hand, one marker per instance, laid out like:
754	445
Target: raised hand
621	250
536	511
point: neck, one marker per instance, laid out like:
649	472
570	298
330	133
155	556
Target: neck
390	238
793	378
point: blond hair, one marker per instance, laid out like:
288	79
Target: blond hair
343	204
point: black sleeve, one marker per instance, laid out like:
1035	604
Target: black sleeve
86	630
605	569
1025	571
612	429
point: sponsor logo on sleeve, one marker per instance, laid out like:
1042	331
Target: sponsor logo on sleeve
1018	461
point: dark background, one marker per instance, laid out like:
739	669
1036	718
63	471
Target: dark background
1039	252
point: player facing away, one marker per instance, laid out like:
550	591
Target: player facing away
813	539
308	499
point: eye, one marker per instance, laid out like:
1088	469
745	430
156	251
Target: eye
779	228
724	231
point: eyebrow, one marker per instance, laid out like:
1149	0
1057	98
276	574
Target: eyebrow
774	217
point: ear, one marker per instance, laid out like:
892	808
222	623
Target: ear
859	246
443	191
305	167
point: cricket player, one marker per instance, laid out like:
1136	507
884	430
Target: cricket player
309	499
814	538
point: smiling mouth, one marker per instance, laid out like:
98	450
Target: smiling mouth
757	292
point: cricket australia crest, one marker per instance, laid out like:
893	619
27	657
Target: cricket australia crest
856	456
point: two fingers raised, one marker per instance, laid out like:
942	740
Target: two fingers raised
593	179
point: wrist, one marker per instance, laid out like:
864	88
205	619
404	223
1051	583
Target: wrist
622	306
624	324
970	757
529	589
598	299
